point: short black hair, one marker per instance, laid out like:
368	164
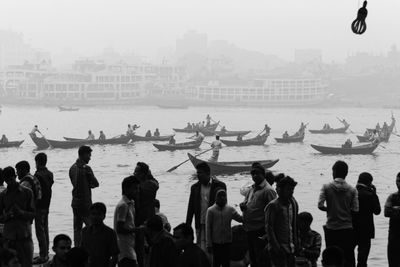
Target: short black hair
84	150
128	182
305	216
286	181
341	169
77	257
143	167
270	177
8	172
156	203
99	206
23	166
365	178
155	223
6	255
203	166
332	256
60	237
41	158
186	229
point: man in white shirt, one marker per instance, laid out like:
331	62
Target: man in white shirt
216	145
91	136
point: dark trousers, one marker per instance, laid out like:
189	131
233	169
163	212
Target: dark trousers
285	260
125	262
363	248
140	250
42	231
257	250
221	255
24	249
344	239
80	217
393	251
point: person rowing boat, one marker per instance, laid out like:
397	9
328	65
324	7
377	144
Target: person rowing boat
4	139
129	131
197	137
172	141
34	130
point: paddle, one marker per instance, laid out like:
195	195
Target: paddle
175	167
45	139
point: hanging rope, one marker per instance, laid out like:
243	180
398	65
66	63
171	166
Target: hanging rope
359	26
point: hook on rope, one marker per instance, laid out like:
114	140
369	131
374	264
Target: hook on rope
359	26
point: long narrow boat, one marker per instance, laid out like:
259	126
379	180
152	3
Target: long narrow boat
331	131
43	143
223	133
362	138
291	139
173	106
181	146
230	167
363	149
256	141
62	108
211	127
11	144
136	138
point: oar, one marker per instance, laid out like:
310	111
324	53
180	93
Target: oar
175	167
45	139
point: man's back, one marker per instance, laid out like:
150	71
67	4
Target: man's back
46	180
163	251
341	199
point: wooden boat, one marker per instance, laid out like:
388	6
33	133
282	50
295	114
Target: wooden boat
291	139
331	131
230	167
256	141
62	108
223	133
211	127
136	138
11	144
363	149
362	138
181	146
43	143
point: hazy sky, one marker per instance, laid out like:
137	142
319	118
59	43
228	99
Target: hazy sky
270	26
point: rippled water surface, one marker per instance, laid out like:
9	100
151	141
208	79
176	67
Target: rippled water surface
112	163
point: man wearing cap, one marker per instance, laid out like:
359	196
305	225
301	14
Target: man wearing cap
281	224
256	199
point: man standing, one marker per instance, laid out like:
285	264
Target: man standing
392	211
202	196
17	211
83	180
341	202
45	177
281	224
216	146
189	253
256	199
364	220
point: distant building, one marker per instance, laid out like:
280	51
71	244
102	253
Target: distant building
307	56
192	42
14	51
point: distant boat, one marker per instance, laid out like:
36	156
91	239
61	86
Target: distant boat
63	108
173	106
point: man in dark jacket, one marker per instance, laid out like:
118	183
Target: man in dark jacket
46	180
83	180
202	196
163	251
364	220
144	205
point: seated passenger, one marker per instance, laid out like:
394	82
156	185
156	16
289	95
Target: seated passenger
172	141
285	135
148	134
239	138
102	136
90	136
223	129
4	139
157	132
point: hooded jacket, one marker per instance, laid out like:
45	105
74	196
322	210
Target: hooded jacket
341	200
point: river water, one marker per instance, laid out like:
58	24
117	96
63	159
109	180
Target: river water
112	163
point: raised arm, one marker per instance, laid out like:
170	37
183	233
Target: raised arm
322	199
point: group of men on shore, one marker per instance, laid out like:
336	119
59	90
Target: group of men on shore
276	233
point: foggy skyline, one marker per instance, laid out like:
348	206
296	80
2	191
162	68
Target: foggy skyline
85	28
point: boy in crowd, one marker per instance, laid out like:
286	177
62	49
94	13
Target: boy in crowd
61	245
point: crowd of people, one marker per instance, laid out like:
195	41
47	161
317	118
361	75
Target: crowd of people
273	231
